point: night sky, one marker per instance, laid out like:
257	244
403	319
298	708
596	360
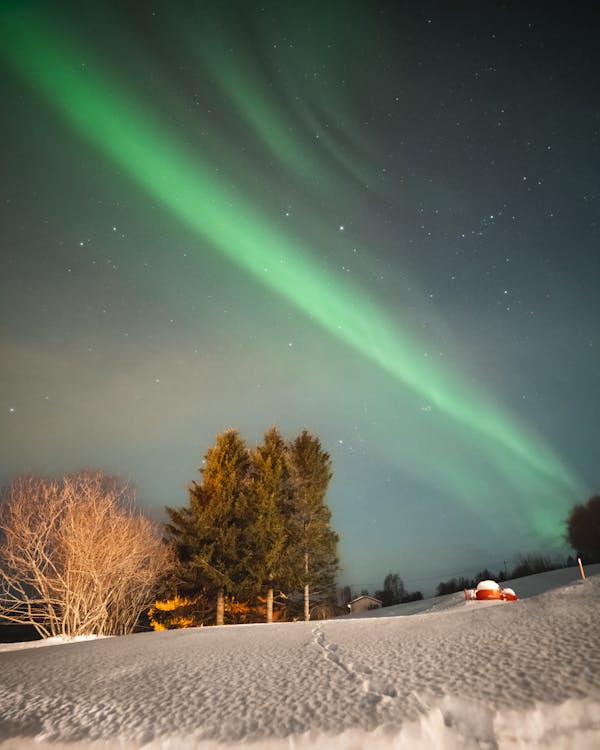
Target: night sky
377	221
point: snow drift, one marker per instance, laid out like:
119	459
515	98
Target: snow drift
457	675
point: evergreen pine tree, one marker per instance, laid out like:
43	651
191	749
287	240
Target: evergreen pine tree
269	493
211	535
312	543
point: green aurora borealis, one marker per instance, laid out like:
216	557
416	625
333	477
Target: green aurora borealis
230	182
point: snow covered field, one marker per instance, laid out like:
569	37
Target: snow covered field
500	675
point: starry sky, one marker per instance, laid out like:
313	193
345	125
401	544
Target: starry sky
377	221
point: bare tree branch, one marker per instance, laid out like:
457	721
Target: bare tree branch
76	558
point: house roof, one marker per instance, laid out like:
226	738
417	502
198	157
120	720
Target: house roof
366	596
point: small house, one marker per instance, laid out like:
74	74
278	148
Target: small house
363	603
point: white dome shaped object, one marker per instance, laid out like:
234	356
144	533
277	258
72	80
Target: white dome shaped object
487	586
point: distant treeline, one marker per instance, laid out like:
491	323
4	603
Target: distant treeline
526	566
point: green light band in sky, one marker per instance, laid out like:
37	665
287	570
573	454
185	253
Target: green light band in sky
187	185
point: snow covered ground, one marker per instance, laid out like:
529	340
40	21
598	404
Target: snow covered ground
444	673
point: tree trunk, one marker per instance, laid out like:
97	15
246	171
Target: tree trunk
270	604
306	591
220	607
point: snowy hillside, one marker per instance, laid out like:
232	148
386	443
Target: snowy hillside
457	675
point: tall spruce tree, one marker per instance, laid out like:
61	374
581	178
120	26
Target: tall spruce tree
312	543
269	497
211	535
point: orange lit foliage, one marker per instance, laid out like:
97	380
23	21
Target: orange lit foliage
249	611
178	612
191	612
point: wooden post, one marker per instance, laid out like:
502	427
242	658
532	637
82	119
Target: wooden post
581	568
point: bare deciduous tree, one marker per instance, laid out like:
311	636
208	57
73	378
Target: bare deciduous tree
76	558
